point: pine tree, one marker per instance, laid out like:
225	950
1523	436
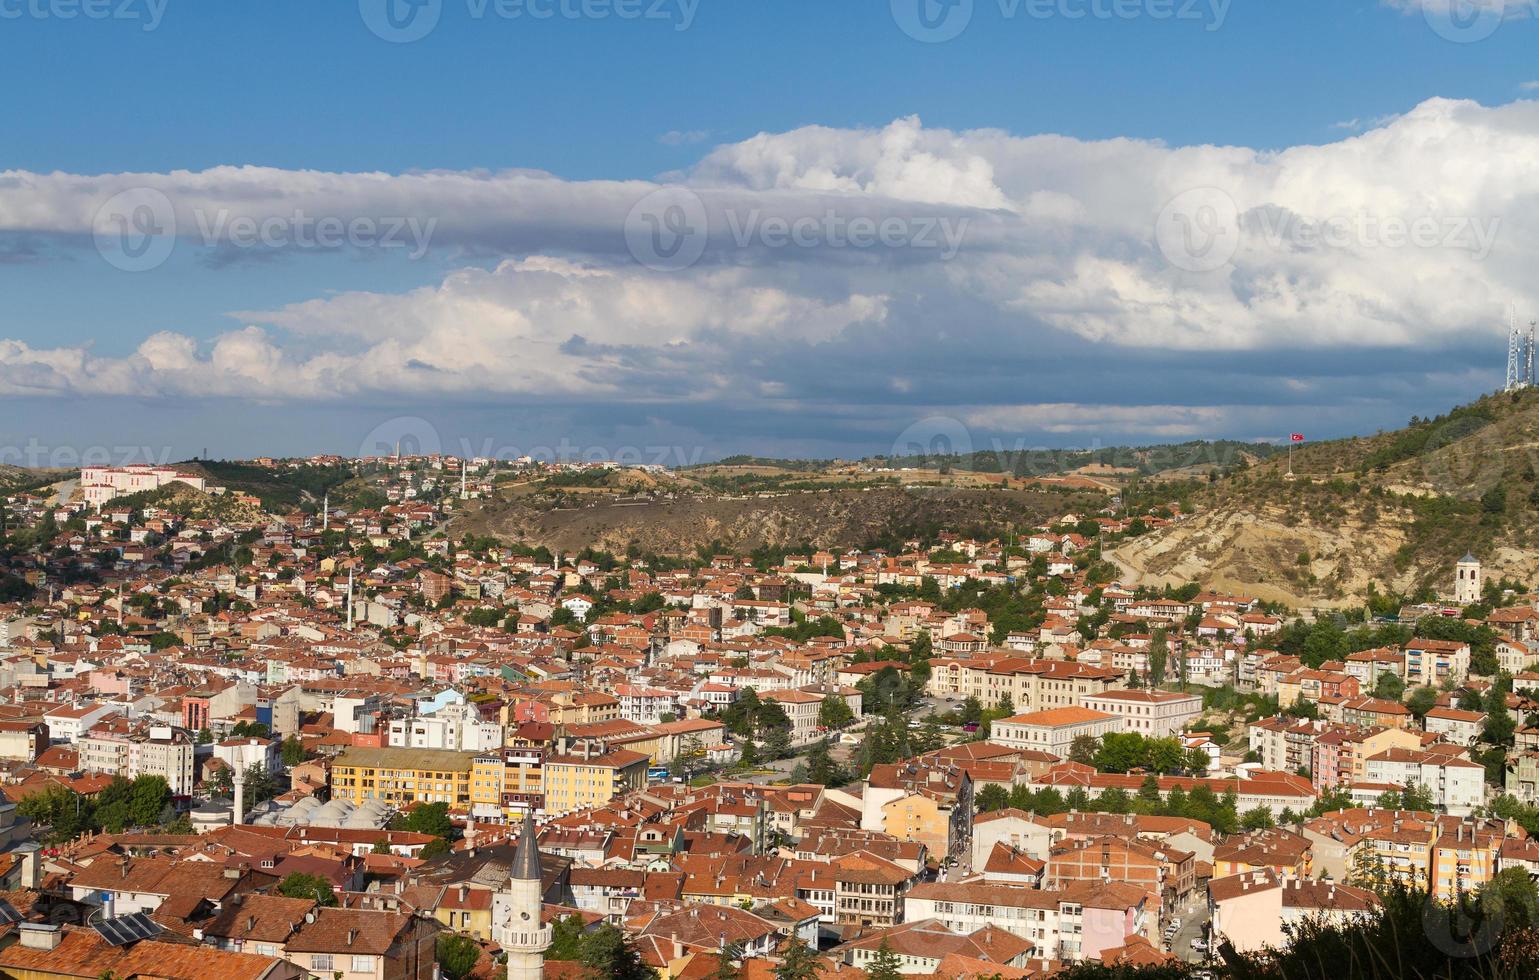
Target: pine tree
798	962
884	965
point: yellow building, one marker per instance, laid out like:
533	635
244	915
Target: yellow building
506	783
591	777
399	775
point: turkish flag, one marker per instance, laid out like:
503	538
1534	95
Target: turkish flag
1296	437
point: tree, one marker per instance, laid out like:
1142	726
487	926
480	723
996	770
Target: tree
64	813
1389	687
566	936
1415	796
1421	701
1165	754
1512	897
992	797
835	712
1259	818
885	965
798	962
821	767
426	818
1197	759
1159	654
434	848
724	969
381	846
457	955
607	954
302	885
1083	749
293	751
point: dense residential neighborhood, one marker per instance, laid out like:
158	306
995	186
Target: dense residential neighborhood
341	740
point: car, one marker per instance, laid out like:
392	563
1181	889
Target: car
1199	945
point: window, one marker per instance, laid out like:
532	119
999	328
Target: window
320	962
363	964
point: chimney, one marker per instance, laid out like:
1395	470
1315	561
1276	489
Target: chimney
40	935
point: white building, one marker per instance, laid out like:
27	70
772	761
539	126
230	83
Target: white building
1053	730
99	484
240	754
159	750
1152	713
456	727
1457	785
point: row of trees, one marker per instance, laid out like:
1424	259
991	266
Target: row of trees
1221	812
62	814
1129	751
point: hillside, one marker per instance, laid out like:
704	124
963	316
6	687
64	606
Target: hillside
834	518
1395	509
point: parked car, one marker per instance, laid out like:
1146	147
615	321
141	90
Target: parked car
1199	945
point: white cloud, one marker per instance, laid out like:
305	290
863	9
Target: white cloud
1060	241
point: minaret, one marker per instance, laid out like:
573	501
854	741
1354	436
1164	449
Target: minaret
349	597
464	474
519	930
238	778
326	513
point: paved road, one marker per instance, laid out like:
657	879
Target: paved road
1193	914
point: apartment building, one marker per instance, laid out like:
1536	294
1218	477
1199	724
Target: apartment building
1432	661
132	751
589	776
920	799
1457	785
1072	923
455	728
1052	730
1151	713
401	775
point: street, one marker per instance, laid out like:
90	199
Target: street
1193	914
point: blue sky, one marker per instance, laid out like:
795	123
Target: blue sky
678	97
